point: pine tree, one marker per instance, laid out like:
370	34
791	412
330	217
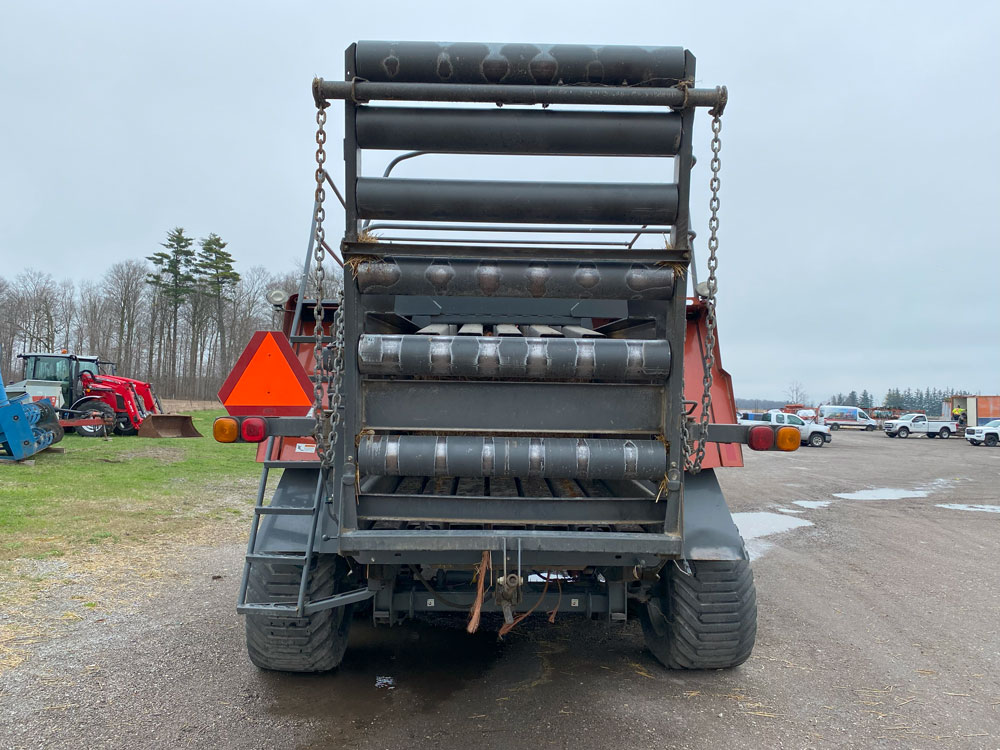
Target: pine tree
865	402
852	398
173	280
216	276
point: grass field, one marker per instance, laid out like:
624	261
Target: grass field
128	488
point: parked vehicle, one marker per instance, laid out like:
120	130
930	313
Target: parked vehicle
510	425
846	416
82	386
813	434
26	427
987	434
919	424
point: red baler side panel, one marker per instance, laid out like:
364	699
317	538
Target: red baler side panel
723	409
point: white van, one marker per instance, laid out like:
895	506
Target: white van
846	416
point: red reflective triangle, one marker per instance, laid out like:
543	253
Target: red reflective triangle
268	380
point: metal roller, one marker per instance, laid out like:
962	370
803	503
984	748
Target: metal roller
516	201
563	458
519	131
515	278
525	64
514	357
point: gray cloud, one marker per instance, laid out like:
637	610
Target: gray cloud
860	158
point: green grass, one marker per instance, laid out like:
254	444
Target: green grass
128	488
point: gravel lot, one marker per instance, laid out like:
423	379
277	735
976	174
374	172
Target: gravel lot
878	628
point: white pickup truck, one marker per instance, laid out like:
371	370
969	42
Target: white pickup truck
985	434
919	424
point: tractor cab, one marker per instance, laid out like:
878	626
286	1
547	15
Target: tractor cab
72	370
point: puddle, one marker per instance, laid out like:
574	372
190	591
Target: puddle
962	506
754	526
812	503
885	493
419	663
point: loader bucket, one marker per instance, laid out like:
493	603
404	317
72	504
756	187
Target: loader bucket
168	426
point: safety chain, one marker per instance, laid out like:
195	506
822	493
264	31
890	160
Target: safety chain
325	429
694	466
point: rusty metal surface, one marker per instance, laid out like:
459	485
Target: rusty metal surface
168	426
543	358
461	456
515	278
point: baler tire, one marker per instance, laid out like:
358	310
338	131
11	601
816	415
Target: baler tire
104	412
314	643
707	620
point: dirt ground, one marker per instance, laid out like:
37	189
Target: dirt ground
186	406
878	628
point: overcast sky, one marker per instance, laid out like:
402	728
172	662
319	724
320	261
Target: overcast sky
861	156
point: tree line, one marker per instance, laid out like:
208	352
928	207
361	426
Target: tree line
915	399
178	318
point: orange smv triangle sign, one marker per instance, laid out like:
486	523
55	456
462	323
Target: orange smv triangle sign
268	380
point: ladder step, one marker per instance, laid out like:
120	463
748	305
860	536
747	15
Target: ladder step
272	510
274	557
265	609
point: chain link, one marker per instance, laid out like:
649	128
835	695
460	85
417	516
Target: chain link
694	465
327	415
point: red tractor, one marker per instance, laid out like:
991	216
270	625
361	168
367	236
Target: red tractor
84	386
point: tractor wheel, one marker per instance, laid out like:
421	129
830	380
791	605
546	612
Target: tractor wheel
123	425
98	409
705	620
903	432
945	433
990	441
314	643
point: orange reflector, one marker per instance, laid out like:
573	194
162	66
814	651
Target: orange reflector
788	439
268	380
226	430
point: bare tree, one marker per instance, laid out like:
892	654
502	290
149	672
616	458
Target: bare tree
796	393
